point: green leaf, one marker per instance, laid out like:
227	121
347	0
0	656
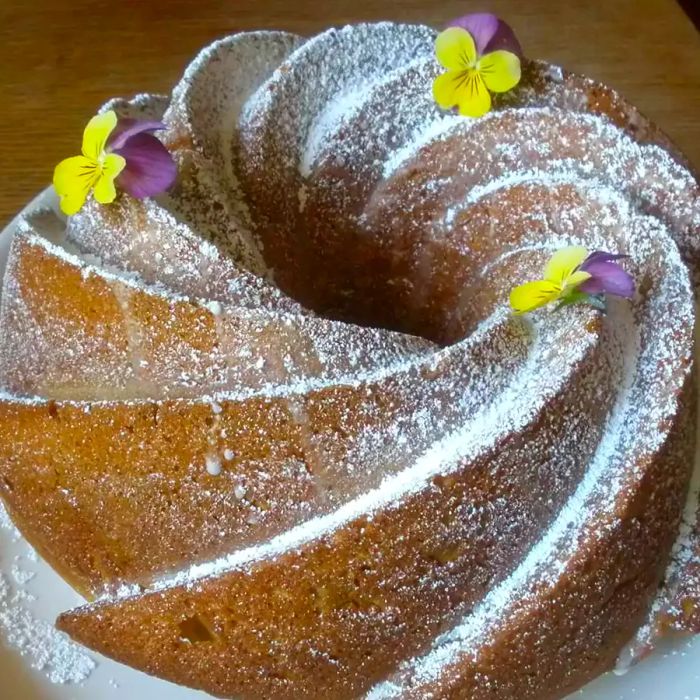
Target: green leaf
597	301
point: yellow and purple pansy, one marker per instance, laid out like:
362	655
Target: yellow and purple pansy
482	55
574	275
121	153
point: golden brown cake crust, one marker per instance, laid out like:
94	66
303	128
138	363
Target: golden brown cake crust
366	605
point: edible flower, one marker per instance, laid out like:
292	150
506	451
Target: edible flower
573	275
481	55
121	153
606	276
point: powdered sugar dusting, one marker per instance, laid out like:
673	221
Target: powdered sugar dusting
44	648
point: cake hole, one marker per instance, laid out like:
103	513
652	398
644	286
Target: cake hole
689	606
260	504
323	599
444	482
194	630
445	555
277	675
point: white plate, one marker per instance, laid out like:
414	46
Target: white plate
29	656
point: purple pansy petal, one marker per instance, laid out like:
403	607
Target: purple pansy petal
608	277
150	169
482	26
591	286
126	128
489	32
600	256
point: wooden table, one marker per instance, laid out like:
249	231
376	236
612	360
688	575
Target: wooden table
60	59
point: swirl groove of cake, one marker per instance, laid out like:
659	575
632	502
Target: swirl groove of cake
279	425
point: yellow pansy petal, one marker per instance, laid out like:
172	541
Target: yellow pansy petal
474	99
96	134
113	164
500	70
532	295
576	279
73	179
105	191
563	263
455	49
446	88
71	173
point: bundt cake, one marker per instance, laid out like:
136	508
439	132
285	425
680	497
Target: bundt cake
280	426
